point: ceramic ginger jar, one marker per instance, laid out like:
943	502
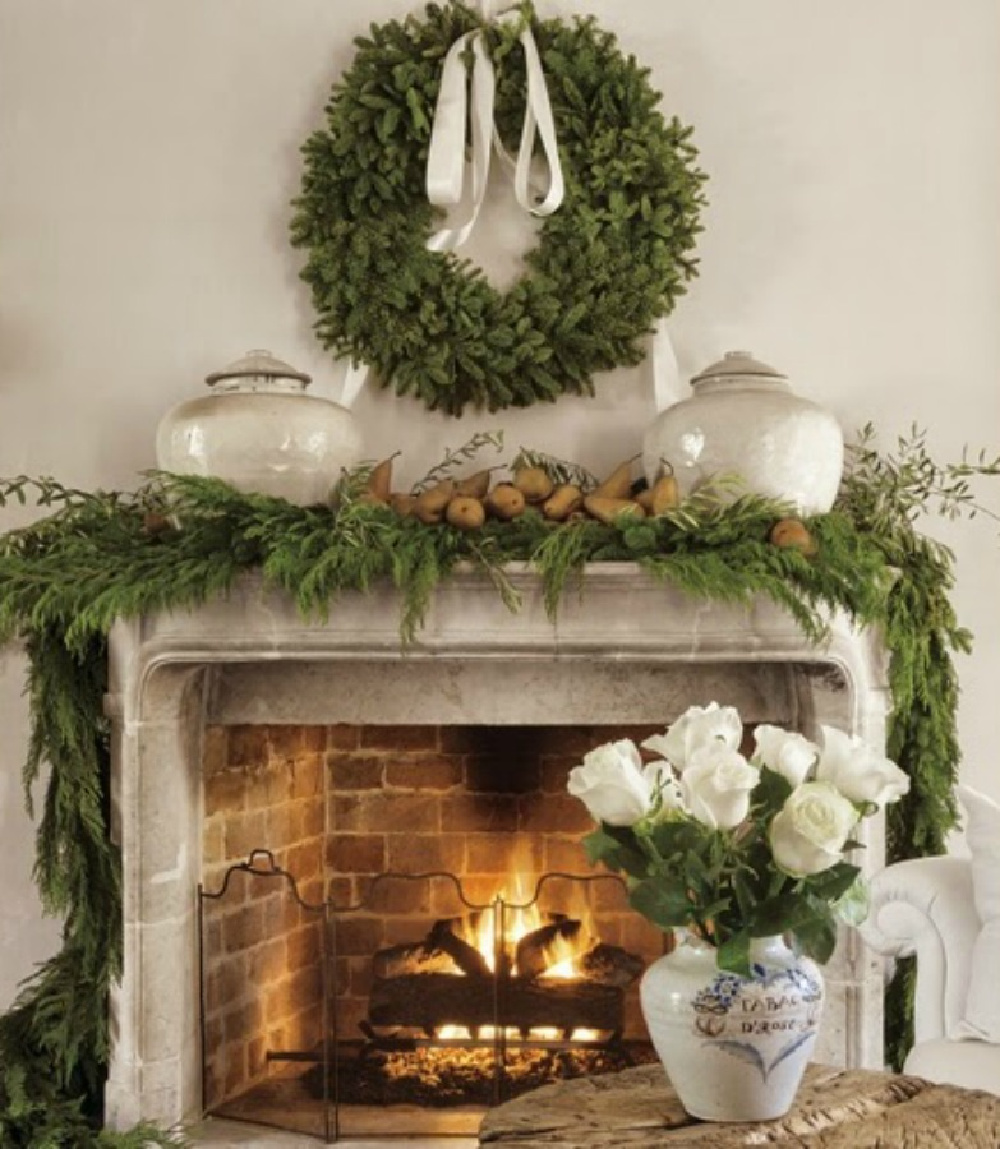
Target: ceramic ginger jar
744	420
261	432
735	1048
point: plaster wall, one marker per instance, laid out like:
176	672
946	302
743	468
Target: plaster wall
148	152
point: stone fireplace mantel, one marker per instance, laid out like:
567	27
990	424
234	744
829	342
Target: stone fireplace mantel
628	649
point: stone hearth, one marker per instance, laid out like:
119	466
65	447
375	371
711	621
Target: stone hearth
629	651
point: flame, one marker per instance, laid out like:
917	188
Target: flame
519	920
511	1033
563	954
490	1032
453	1033
545	1033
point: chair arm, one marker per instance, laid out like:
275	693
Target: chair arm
925	907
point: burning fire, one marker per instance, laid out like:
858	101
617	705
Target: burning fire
562	955
520	920
512	1033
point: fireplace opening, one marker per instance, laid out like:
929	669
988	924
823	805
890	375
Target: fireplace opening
399	927
494	1000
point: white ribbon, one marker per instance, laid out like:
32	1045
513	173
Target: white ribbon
446	162
354	380
666	370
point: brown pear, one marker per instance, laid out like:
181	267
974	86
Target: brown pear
618	485
563	501
153	523
607	510
666	494
380	480
431	505
475	486
466	512
792	533
534	483
402	504
505	501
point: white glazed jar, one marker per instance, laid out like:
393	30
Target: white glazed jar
734	1048
261	432
744	420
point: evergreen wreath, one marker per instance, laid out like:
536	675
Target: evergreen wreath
609	262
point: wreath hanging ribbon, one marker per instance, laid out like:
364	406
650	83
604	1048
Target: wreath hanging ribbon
446	154
388	286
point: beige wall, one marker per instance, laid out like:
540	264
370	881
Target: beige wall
149	148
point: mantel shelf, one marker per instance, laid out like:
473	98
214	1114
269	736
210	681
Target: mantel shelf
620	611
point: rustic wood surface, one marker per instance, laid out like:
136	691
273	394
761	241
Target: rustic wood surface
835	1109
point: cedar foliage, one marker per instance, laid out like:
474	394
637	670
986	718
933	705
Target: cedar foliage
179	541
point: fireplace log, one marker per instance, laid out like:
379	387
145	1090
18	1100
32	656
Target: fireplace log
611	965
429	1000
441	951
412	957
468	959
533	954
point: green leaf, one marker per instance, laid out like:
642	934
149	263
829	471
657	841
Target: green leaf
618	849
665	903
817	935
598	845
779	914
734	954
771	792
831	884
417	115
853	905
672	840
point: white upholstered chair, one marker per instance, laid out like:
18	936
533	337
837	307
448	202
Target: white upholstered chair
925	907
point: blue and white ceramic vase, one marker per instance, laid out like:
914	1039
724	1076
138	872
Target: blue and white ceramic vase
734	1047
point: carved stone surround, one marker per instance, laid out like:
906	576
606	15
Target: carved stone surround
628	651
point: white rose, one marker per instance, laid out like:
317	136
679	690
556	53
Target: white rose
789	755
859	772
698	726
808	834
612	784
717	785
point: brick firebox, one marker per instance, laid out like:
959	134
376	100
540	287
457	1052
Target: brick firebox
338	805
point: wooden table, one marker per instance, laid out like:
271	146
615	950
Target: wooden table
835	1109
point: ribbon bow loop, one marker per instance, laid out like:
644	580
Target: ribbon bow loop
446	162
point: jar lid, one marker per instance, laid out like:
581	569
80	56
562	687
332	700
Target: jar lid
257	364
738	363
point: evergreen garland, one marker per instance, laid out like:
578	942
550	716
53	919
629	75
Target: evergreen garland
612	259
103	556
885	494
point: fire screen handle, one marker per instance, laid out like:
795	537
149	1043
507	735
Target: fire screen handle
272	865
